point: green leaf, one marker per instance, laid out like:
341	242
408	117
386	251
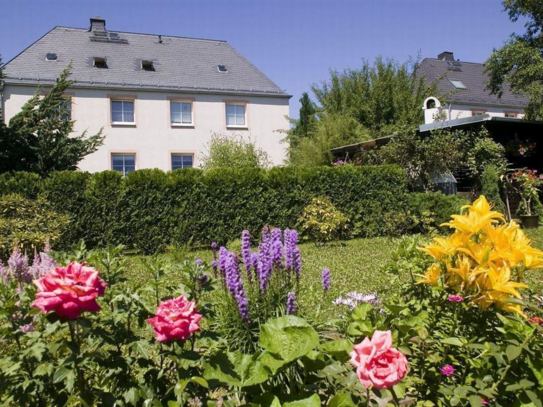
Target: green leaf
313	401
235	369
288	337
339	348
513	352
267	400
341	400
60	374
452	341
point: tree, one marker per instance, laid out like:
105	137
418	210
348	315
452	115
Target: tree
39	138
357	105
225	151
519	63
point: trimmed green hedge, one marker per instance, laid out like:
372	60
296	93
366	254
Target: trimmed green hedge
150	209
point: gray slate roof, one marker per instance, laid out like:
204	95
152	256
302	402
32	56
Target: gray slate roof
181	64
471	75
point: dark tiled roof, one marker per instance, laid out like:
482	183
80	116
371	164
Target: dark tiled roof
184	64
472	76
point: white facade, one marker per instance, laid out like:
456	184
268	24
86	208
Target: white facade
434	111
152	138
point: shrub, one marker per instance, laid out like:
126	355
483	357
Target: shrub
322	222
225	151
429	210
490	188
28	224
149	209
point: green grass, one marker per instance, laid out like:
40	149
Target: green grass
355	265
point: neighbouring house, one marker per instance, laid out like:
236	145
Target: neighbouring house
158	98
462	86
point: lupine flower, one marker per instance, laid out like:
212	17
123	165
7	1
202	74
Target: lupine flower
277	252
214	266
246	250
18	267
235	286
326	279
447	370
175	319
68	291
27	328
288	249
42	264
293	237
214	247
264	265
202	279
297	261
455	298
198	261
292	307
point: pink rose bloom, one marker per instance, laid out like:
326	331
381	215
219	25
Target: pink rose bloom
68	291
175	319
377	363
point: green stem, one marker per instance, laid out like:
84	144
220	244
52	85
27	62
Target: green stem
76	350
367	397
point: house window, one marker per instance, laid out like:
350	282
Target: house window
510	115
122	111
181	113
65	109
182	161
235	115
458	84
478	112
123	163
100	63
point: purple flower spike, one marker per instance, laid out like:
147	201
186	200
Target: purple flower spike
326	280
297	261
246	250
235	285
198	261
18	267
223	254
254	262
42	264
291	303
447	370
4	276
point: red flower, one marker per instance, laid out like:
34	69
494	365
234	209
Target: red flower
175	319
69	291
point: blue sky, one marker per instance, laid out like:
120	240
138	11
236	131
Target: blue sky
294	42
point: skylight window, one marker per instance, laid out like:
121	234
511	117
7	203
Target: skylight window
458	84
50	56
147	66
100	62
222	68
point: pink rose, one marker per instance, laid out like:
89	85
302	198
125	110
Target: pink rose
377	363
175	319
68	291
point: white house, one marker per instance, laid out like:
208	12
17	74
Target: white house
157	98
466	95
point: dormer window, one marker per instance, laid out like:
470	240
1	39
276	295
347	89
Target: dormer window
147	66
50	56
222	68
100	62
458	84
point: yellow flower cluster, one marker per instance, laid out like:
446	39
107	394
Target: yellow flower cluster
483	257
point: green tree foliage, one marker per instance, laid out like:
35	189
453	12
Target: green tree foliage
39	139
356	105
225	151
305	125
519	62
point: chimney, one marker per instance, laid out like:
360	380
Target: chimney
444	56
97	24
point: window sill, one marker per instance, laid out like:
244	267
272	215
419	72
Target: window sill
237	128
180	125
122	124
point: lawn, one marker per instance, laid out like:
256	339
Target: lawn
355	265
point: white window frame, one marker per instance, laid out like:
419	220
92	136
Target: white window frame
459	84
181	103
123	101
236	126
476	112
124	164
181	154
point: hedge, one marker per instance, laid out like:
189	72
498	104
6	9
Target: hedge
149	209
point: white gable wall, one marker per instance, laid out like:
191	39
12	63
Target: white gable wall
152	138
